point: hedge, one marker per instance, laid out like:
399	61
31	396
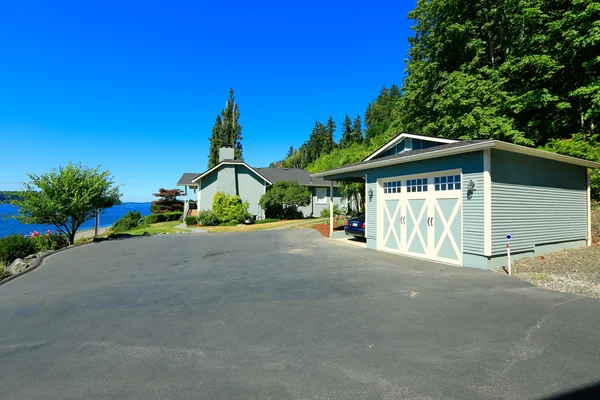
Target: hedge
164	217
191	220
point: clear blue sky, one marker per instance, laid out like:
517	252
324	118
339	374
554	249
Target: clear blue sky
136	87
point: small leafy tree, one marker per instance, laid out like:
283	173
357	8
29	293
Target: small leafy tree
283	199
67	197
230	208
167	201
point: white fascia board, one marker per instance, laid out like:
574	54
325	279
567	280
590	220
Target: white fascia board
231	163
403	136
406	159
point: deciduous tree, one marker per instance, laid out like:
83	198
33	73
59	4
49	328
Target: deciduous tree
66	197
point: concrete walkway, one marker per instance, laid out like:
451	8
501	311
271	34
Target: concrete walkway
88	233
190	228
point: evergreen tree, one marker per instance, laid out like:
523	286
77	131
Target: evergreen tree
232	130
216	142
328	136
226	132
290	152
357	130
347	133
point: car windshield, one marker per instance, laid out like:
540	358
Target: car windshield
361	216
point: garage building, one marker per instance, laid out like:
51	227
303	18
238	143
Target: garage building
456	201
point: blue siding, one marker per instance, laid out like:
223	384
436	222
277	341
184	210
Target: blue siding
536	201
314	209
250	188
208	188
472	168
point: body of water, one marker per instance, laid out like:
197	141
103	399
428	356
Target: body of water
9	226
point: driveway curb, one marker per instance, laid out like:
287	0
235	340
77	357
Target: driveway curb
38	262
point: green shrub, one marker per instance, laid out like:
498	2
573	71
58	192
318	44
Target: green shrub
49	241
4	273
163	217
283	199
15	246
267	220
207	218
325	211
228	224
191	220
230	208
129	221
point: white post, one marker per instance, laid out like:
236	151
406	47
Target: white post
366	200
508	254
331	209
186	205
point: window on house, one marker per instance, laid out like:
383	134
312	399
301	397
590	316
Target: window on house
416	185
451	182
391	187
322	196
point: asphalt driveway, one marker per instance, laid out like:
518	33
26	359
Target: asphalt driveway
284	315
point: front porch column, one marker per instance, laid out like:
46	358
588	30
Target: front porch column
331	209
186	206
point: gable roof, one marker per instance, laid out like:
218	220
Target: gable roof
458	147
394	141
291	174
229	162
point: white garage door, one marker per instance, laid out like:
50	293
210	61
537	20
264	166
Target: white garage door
422	216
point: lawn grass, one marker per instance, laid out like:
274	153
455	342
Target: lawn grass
311	223
254	227
159	227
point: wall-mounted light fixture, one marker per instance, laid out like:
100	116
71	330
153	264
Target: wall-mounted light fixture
470	189
370	193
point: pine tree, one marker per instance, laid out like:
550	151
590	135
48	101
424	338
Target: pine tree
226	132
290	152
328	136
347	133
357	130
232	130
216	142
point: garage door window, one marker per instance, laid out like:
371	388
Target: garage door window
321	196
450	182
392	187
416	185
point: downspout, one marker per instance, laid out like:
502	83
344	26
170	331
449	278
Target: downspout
331	209
366	199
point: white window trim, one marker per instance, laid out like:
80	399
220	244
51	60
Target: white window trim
324	199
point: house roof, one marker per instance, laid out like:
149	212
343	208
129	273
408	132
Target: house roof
451	149
187	178
405	135
229	162
291	174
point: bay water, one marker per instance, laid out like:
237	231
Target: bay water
9	225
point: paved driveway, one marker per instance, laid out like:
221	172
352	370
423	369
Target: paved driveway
278	315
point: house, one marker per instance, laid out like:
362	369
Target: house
456	201
235	177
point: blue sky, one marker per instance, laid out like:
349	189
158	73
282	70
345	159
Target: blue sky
136	86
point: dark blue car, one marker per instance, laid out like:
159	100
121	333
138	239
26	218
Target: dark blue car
356	226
